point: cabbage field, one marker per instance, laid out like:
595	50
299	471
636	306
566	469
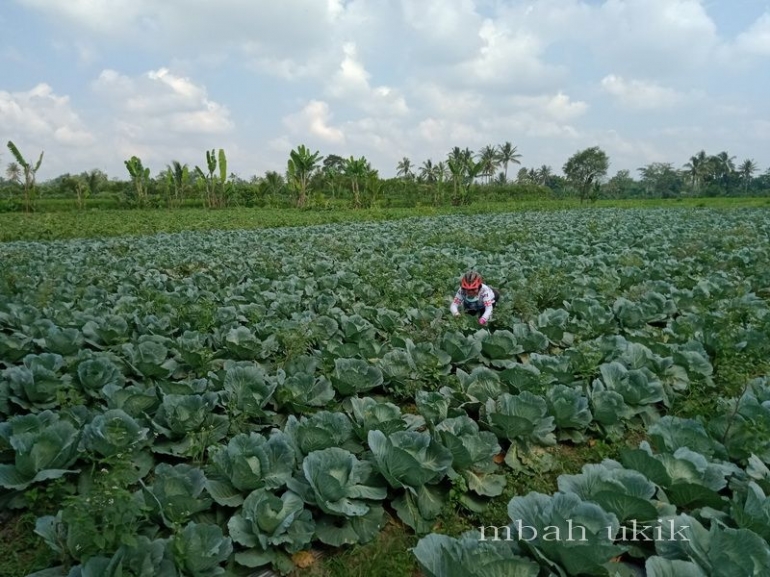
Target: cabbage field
219	403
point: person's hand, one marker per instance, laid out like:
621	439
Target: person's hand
482	321
455	315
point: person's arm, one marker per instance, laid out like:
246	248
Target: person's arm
455	302
489	305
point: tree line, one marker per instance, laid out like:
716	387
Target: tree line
312	181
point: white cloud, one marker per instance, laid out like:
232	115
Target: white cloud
510	59
446	31
455	103
39	120
552	20
559	106
351	84
627	151
288	68
664	38
755	40
280	144
440	132
162	102
535	117
289	29
529	124
39	116
68	135
96	15
640	94
160	116
315	119
351	79
659	38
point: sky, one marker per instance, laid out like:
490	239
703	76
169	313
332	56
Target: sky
94	82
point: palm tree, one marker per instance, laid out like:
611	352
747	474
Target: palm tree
13	172
725	164
441	171
180	179
357	170
462	156
506	153
747	168
331	174
404	169
720	168
95	178
488	161
273	183
428	172
696	169
544	173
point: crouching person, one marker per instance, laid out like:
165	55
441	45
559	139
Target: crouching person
475	297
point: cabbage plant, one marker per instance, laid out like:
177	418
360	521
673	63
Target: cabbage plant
44	447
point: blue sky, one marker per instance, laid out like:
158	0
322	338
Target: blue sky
93	82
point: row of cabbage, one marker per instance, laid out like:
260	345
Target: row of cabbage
277	507
331	470
682	505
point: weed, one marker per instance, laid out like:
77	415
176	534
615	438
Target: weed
21	551
388	555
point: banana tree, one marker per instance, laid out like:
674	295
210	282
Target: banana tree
300	168
140	177
456	170
215	186
464	171
473	170
435	175
29	174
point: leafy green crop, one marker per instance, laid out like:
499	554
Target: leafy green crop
216	401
